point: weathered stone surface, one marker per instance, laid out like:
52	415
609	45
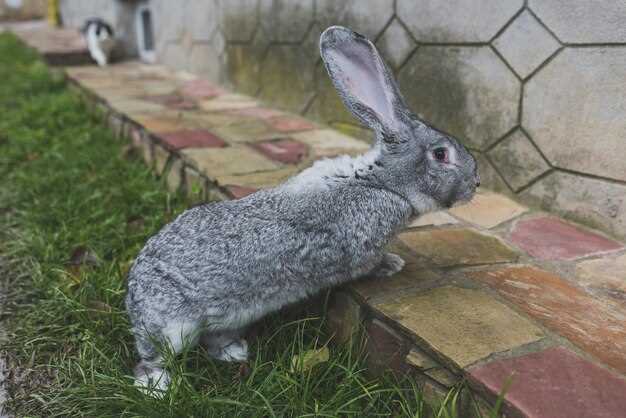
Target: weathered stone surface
605	277
286	20
596	203
196	138
525	44
201	19
466	91
135	106
205	59
290	124
201	89
174	178
518	160
452	247
386	349
463	325
457	20
418	358
443	376
368	17
287	76
228	101
580	21
244	63
554	383
343	316
488	210
395	44
328	142
433	219
264	113
238	192
489	177
580	128
550	238
161	157
173	55
172	101
251	131
284	150
414	274
596	326
237	159
239	19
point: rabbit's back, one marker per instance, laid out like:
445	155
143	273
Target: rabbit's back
269	249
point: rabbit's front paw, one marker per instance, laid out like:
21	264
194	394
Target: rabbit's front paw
391	264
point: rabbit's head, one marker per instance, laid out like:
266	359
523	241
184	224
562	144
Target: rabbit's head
413	159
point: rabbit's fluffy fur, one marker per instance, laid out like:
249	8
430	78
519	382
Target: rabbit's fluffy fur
219	267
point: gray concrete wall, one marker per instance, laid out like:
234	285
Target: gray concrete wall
536	88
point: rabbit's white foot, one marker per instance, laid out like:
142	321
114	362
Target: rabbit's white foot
225	348
390	265
151	380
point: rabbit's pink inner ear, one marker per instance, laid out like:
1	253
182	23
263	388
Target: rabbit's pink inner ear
362	75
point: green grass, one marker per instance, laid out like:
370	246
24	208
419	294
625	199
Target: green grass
67	187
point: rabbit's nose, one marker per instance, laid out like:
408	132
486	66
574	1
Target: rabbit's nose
477	180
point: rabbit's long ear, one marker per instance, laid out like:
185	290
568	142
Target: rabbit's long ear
362	79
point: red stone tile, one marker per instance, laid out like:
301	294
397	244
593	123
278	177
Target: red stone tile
597	326
554	383
201	89
549	238
290	124
257	112
173	101
283	150
237	192
192	138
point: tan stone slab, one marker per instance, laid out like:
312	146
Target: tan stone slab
458	246
259	180
162	122
219	162
464	325
214	119
488	210
604	277
421	360
135	106
327	142
433	219
227	102
249	131
411	276
597	326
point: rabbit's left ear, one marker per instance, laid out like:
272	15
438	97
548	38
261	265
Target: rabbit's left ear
362	79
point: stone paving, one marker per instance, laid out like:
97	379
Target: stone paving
492	293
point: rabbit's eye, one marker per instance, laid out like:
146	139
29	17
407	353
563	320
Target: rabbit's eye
441	154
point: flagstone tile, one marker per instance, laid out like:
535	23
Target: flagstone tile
550	238
554	383
604	277
458	246
464	325
290	124
595	325
192	138
488	210
433	219
229	161
283	150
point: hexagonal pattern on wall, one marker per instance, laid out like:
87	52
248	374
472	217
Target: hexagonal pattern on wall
466	91
583	21
456	20
574	109
239	19
395	43
286	20
525	44
368	17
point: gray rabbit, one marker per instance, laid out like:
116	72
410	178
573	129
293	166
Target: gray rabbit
219	267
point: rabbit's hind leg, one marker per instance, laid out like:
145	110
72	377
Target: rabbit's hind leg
225	345
390	264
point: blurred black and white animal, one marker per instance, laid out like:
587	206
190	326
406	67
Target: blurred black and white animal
100	40
219	267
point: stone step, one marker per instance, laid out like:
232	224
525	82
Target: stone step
494	293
